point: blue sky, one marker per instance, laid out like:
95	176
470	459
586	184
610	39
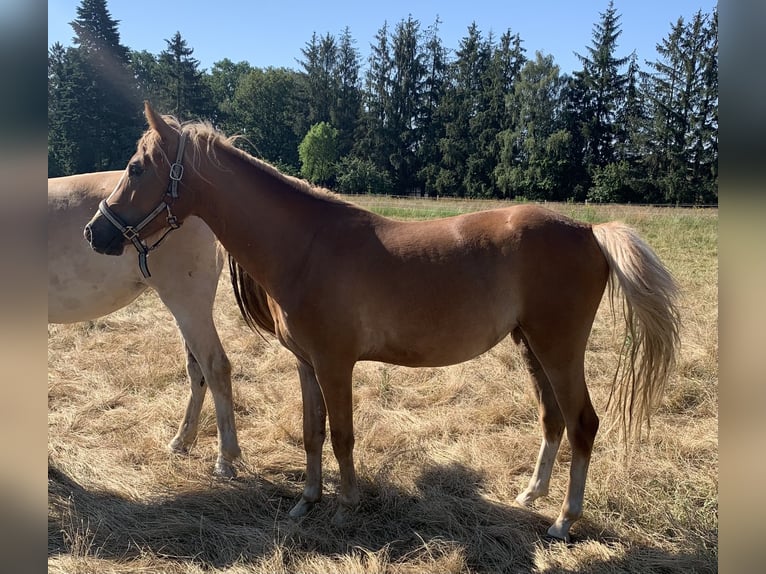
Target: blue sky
272	33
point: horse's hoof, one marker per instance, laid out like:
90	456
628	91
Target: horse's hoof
224	469
176	446
524	501
528	497
301	509
557	534
342	516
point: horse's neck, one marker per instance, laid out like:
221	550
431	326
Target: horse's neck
265	223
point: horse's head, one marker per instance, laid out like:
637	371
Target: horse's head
150	195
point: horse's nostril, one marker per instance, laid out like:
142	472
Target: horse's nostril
88	234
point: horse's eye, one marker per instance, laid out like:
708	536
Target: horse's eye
135	169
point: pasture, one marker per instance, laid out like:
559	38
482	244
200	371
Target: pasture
441	453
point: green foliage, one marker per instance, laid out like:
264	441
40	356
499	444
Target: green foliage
357	175
603	86
93	103
610	183
265	109
682	97
318	153
222	82
534	152
480	121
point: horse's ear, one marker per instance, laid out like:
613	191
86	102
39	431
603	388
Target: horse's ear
156	122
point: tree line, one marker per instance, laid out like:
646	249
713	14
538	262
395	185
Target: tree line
484	121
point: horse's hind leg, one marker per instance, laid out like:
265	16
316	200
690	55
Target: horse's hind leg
187	430
562	359
551	422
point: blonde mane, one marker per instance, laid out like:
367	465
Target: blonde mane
205	139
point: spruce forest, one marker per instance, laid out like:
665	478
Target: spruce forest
411	116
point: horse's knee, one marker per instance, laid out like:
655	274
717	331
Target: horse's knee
220	373
222	366
342	442
313	439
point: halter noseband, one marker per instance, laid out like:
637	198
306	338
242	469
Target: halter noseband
131	232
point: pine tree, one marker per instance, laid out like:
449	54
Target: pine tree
102	88
683	96
603	87
376	136
432	124
65	83
407	80
346	108
459	107
631	118
319	65
181	90
492	115
629	183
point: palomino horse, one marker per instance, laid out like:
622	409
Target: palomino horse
83	285
346	285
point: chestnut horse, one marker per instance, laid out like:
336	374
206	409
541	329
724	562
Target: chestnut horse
83	285
345	285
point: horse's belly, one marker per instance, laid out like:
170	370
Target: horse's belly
82	289
437	345
73	306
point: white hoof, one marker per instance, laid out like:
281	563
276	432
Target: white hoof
528	497
525	500
559	532
177	446
224	469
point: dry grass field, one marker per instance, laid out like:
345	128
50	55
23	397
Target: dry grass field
441	453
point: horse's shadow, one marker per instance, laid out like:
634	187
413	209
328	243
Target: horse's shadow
245	521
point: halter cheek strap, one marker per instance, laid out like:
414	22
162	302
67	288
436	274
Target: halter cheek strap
131	232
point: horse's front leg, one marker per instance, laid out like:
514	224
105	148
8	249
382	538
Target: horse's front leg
220	387
206	354
187	430
314	421
335	383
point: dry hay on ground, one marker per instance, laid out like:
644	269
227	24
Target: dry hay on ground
441	453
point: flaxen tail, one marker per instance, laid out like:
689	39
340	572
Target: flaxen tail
652	321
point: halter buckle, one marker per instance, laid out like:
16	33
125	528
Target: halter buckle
176	171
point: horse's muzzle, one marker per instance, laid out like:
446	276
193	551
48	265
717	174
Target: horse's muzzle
104	237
